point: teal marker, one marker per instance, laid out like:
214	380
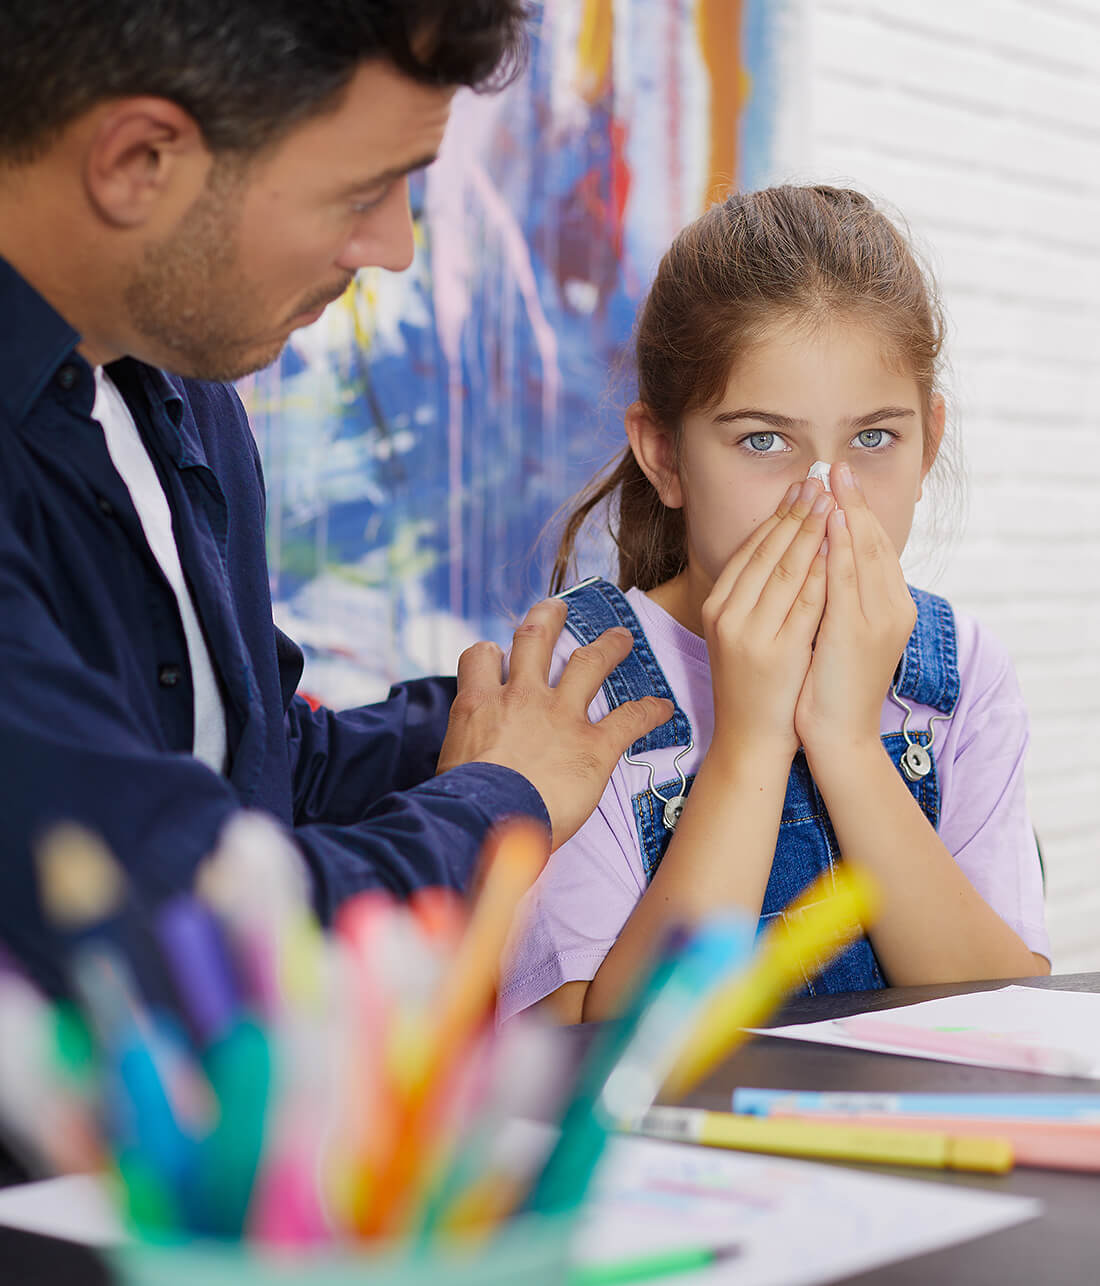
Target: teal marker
1046	1107
716	950
563	1182
628	1059
239	1067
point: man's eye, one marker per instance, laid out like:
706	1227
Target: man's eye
871	438
367	203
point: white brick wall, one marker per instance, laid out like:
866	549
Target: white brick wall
980	121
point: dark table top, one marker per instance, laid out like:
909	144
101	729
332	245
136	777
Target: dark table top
1060	1248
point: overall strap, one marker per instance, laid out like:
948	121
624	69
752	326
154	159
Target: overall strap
928	672
596	605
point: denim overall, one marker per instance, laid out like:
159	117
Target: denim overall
927	674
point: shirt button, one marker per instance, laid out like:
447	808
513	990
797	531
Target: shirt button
66	376
105	506
168	676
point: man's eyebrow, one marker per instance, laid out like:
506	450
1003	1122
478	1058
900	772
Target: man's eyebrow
786	422
390	175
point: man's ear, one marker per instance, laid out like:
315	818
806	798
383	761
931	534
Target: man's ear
655	452
143	156
933	437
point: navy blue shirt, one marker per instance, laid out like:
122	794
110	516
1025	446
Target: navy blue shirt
96	703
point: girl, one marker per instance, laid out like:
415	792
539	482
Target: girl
822	706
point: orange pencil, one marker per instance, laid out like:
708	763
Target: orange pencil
515	854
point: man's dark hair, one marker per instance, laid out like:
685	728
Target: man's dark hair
248	71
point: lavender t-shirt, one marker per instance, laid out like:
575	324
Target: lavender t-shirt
591	884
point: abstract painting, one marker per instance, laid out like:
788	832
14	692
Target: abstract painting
420	436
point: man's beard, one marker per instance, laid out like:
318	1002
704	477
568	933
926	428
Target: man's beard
188	298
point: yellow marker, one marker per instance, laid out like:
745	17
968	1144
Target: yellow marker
932	1149
828	915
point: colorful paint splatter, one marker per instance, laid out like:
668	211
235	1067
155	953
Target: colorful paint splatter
418	438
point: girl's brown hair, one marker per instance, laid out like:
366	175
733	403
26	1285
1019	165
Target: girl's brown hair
804	254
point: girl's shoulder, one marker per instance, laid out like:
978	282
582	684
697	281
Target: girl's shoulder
596	605
984	662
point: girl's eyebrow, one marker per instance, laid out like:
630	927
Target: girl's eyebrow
786	422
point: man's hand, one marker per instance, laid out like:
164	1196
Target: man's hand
543	732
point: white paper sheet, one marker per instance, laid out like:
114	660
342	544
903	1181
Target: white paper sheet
77	1207
1023	1028
794	1223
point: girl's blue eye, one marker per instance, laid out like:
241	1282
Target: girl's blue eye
761	441
871	438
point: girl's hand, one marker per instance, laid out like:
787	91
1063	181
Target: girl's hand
759	622
869	615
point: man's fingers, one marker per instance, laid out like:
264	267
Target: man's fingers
588	666
481	666
633	719
533	641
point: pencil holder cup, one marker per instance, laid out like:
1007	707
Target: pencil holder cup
531	1250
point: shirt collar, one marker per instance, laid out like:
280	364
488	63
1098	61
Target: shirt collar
34	341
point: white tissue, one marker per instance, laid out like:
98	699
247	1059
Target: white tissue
819	469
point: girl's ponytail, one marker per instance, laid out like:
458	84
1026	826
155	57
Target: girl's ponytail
648	535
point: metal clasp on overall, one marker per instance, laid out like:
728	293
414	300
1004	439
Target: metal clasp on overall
916	760
674	804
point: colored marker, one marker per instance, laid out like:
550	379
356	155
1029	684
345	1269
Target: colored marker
564	1180
716	950
931	1149
1046	1145
664	1263
1054	1107
195	948
827	916
516	853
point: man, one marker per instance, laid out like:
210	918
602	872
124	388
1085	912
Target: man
182	184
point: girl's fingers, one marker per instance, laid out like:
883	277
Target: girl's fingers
755	566
809	604
877	570
843	582
785	583
727	577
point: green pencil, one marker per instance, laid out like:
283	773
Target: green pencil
662	1263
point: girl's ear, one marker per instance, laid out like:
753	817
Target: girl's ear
933	437
655	453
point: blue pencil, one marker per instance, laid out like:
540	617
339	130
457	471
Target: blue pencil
1050	1107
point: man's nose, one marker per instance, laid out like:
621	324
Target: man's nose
383	238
